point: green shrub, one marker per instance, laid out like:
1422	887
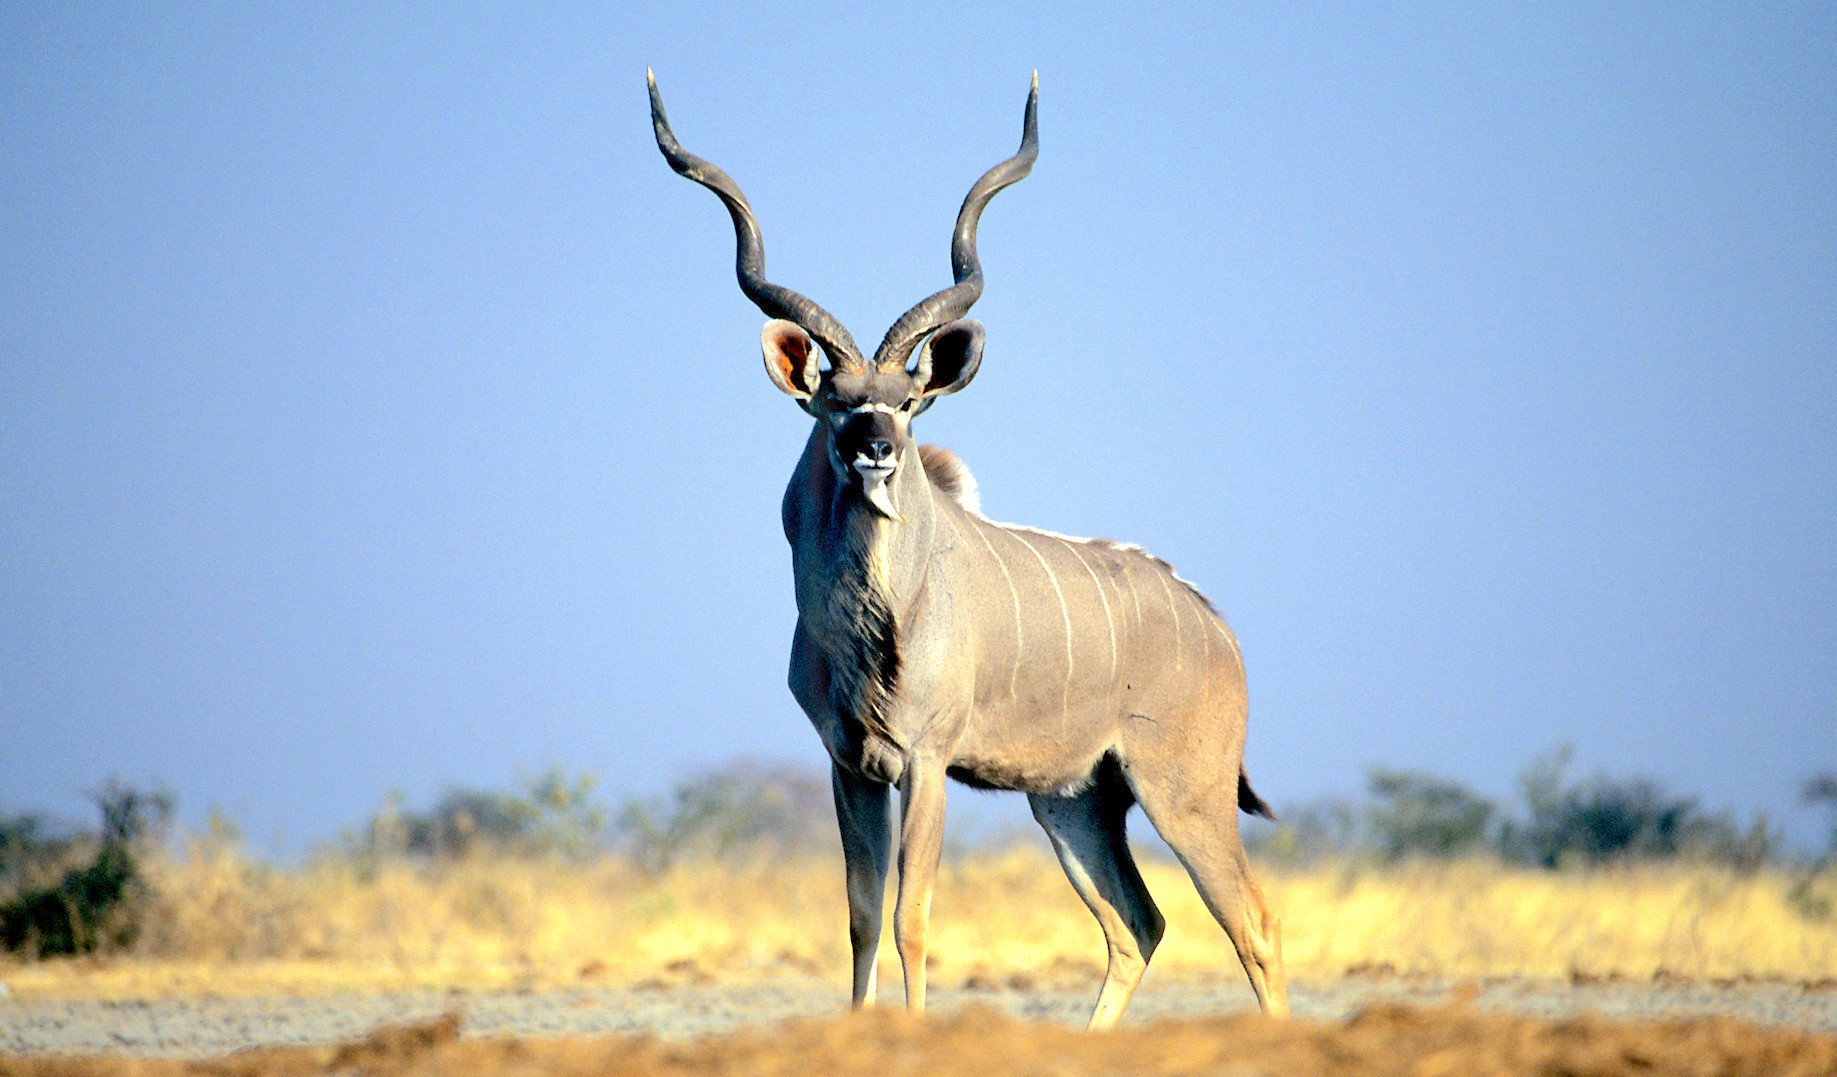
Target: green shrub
96	906
1601	819
1415	814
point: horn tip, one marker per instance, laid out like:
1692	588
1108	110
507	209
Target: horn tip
660	124
650	77
1030	119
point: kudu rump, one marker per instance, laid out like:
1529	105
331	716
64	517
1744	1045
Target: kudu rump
932	642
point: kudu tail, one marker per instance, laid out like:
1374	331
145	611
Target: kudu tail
1247	799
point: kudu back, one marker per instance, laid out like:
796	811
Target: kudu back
934	642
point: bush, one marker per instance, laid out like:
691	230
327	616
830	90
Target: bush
29	852
551	814
734	812
1602	819
96	906
464	819
1418	814
1596	820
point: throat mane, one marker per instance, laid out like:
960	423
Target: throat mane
857	628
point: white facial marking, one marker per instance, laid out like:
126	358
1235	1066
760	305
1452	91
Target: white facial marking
874	486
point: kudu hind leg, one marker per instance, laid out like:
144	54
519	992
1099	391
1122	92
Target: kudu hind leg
1087	833
862	810
1202	829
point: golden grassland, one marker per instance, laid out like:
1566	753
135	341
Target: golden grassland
219	923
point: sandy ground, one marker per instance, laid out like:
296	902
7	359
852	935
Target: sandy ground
208	1027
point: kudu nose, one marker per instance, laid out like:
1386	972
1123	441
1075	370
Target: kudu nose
878	450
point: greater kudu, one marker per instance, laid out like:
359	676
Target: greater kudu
932	642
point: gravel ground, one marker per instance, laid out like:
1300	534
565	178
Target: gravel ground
205	1027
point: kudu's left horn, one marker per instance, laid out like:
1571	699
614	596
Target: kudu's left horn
954	302
749	260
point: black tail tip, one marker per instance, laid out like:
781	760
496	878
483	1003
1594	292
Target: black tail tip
1249	802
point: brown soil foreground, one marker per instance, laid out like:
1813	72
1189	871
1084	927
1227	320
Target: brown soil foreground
1381	1040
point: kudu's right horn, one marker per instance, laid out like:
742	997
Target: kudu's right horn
749	260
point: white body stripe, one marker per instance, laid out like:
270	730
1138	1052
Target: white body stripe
1108	617
1175	607
1205	619
1014	671
1064	612
1135	599
1191	592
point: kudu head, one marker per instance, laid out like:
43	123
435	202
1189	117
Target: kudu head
865	407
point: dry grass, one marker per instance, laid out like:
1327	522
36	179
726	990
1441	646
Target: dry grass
223	924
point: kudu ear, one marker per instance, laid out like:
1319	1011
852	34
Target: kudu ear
790	358
949	359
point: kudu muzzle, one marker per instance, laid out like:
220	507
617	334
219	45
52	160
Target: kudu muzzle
867	450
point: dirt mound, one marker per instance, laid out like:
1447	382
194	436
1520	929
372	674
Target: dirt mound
1381	1040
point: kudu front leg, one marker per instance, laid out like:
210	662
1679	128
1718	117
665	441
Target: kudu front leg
921	841
862	810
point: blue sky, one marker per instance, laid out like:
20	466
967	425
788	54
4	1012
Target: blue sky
378	411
